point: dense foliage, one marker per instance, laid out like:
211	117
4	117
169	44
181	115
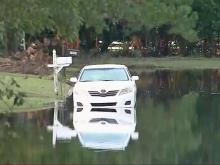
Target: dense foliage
185	20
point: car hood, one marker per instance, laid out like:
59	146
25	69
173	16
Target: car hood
99	85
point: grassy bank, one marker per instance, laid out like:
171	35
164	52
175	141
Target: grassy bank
39	92
39	89
173	63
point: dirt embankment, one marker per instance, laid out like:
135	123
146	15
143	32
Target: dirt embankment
27	62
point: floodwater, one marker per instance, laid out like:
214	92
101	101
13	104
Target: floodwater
178	120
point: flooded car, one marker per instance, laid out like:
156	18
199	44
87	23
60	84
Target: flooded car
104	98
107	85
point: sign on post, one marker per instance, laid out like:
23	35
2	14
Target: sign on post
58	64
64	61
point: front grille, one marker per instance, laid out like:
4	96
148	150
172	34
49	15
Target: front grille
106	94
103	104
103	110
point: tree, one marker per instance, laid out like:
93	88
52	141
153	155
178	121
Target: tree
142	16
208	24
33	16
66	17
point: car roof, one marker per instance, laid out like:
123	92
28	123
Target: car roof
104	66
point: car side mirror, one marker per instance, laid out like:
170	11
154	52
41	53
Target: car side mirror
134	78
73	79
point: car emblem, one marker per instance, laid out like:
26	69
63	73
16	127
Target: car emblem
103	91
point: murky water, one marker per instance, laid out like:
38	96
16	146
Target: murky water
178	120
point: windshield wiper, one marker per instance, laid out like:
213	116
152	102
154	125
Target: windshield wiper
106	80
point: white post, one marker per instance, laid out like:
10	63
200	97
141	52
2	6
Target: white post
55	72
55	113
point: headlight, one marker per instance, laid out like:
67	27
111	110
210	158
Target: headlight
126	91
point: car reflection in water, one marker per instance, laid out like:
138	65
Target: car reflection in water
99	130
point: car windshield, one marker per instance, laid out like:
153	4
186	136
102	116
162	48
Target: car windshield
104	74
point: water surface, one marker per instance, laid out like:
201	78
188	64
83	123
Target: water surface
178	120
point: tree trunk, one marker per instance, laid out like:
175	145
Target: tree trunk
11	42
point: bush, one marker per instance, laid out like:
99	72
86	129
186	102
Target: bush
9	93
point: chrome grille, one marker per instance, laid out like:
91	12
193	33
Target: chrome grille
106	94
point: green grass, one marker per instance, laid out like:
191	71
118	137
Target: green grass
173	63
39	92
